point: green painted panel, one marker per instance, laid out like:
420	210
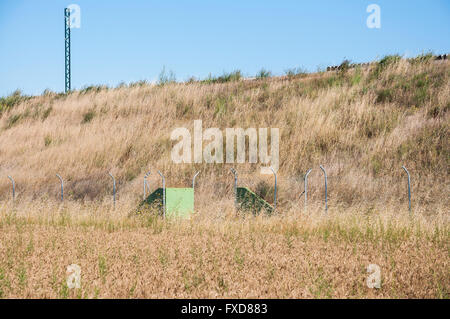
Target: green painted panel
179	202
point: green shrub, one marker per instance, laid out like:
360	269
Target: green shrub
263	73
292	72
388	60
230	77
423	58
166	78
48	92
384	95
93	89
13	119
11	100
46	113
135	84
225	77
344	67
88	116
356	78
47	140
384	63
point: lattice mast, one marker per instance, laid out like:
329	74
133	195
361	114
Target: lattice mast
67	51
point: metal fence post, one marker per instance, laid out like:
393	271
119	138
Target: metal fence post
235	187
274	191
145	182
306	186
164	194
409	188
193	180
114	190
62	187
326	190
13	187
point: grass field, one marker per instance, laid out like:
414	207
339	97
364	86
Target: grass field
362	124
296	255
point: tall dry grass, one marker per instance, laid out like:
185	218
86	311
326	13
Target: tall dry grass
294	255
361	124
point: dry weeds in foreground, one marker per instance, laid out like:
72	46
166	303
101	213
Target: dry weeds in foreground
297	255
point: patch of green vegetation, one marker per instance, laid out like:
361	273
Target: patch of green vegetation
383	64
102	267
134	84
48	92
357	76
88	116
222	284
413	90
192	281
344	67
221	106
323	287
294	72
46	113
376	164
64	290
423	58
225	77
4	283
22	276
263	73
163	257
429	147
7	103
184	108
166	77
384	96
93	89
13	120
239	258
47	140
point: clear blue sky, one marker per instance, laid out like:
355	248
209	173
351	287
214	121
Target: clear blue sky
132	40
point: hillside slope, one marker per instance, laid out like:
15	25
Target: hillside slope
361	124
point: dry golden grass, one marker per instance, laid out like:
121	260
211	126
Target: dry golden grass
294	255
362	125
362	128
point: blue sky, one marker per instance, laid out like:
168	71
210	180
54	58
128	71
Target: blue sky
132	40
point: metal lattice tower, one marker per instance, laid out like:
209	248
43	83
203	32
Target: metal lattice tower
67	45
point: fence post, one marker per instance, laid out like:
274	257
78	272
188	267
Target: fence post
326	190
193	180
145	182
13	188
306	186
235	187
164	194
275	191
62	187
409	188
114	190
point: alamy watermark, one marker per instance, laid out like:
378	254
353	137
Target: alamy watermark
374	19
75	16
213	151
73	276
374	279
